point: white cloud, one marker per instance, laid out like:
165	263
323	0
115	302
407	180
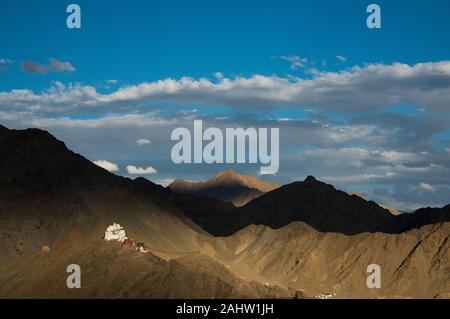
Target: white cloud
295	61
111	121
133	170
356	179
427	187
143	141
348	133
110	167
341	58
396	157
113	82
371	87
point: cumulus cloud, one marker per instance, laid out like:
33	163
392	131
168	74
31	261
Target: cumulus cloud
109	166
360	151
143	141
367	88
112	82
54	65
133	170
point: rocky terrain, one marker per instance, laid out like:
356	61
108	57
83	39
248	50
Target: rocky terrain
298	240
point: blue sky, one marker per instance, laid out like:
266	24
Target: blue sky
147	40
366	110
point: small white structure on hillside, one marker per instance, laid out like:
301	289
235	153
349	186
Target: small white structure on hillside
326	295
115	232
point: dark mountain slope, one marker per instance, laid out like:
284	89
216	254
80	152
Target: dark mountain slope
315	203
50	196
199	208
54	208
322	207
35	165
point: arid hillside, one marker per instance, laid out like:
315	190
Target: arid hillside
299	240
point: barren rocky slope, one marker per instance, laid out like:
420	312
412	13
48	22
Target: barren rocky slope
50	196
305	237
414	264
109	271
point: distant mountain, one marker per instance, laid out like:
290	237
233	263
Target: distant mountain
227	186
317	204
322	207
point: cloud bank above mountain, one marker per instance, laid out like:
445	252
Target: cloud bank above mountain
360	88
382	130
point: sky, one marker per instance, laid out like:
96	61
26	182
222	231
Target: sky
367	110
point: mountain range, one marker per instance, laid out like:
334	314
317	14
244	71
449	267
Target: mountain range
233	236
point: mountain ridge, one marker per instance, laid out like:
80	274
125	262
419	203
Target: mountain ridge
324	208
227	186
